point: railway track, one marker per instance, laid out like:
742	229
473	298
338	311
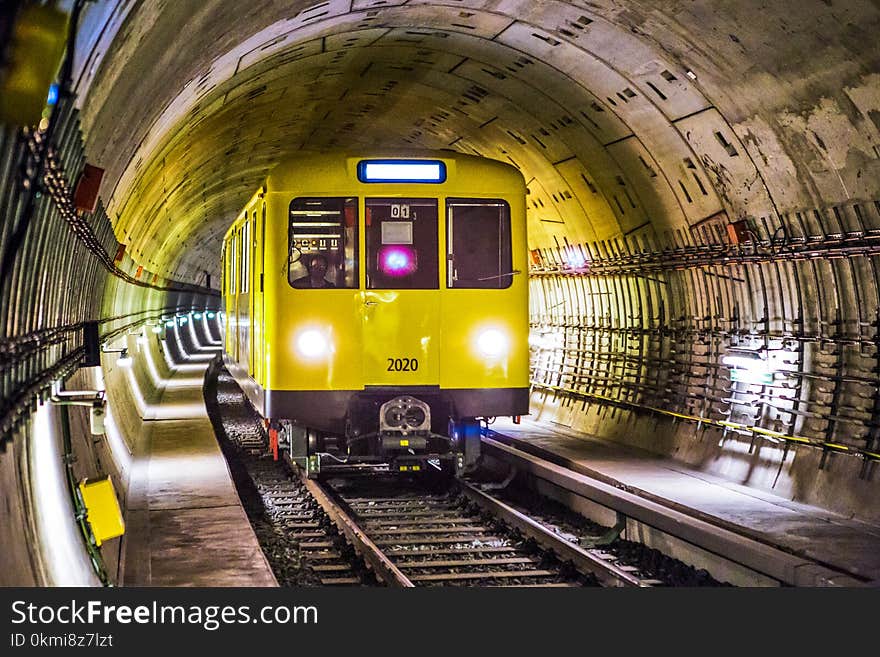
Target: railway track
316	545
463	537
359	532
418	539
303	546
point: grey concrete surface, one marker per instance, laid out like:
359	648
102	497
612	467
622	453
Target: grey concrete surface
186	526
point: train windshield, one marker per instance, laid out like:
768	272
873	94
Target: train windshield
401	238
323	243
478	244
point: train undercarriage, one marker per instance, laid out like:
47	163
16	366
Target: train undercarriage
403	434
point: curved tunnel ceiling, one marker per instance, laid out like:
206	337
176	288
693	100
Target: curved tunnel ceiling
626	118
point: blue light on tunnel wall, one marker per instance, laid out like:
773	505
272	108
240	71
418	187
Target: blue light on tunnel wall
53	95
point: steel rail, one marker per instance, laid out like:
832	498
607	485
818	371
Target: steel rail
608	574
757	556
371	553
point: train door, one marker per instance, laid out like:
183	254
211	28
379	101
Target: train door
401	305
234	284
224	291
258	345
253	320
243	319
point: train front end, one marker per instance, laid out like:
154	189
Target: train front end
396	314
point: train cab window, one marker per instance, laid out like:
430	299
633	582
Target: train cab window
478	244
323	243
401	245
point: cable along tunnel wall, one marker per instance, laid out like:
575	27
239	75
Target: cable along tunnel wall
667	330
58	274
56	263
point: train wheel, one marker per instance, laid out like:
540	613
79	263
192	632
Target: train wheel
315	441
466	433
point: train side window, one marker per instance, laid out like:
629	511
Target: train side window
242	259
323	243
239	263
245	259
223	270
478	244
401	236
249	254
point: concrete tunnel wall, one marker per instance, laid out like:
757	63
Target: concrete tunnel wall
43	545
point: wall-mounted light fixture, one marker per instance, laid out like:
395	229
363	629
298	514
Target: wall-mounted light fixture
123	359
94	399
748	366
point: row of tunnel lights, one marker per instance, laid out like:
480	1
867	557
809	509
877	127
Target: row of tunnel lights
182	320
179	320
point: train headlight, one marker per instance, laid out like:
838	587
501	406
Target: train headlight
492	343
312	344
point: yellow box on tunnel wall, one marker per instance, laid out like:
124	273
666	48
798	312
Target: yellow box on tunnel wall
104	514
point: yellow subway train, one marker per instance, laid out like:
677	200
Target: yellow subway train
377	307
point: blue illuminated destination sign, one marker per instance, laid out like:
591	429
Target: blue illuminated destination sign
411	171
